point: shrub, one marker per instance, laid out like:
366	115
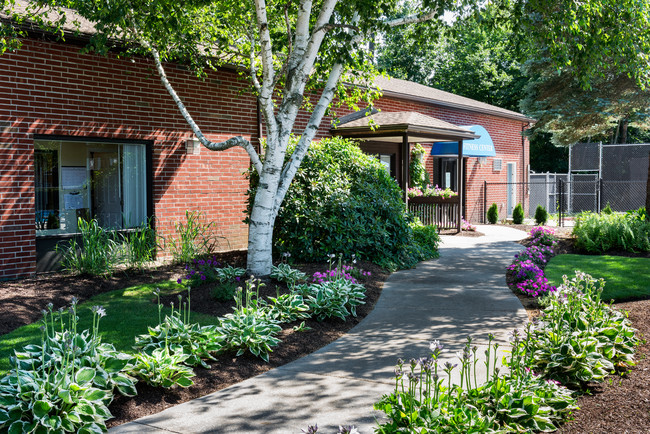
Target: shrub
599	233
493	214
342	200
541	215
518	214
607	209
426	240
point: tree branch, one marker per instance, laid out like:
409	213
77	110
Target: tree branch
288	24
220	146
266	48
412	19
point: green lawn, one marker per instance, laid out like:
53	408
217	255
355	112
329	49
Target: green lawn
625	278
128	313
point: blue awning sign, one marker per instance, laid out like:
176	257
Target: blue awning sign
481	147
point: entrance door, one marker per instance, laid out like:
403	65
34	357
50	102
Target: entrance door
512	187
106	194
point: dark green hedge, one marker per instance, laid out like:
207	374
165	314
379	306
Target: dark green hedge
343	201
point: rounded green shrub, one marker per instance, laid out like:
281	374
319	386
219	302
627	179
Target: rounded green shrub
493	214
518	214
541	215
343	201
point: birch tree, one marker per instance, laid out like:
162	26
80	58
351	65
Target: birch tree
289	49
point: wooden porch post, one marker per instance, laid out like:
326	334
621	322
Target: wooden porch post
461	190
406	152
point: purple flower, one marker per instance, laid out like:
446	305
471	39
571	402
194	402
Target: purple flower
179	280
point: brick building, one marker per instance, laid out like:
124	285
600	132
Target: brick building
82	134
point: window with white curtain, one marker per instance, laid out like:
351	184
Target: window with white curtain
79	179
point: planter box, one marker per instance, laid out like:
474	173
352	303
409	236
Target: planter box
434	199
436	210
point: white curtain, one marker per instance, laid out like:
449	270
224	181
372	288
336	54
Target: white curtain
134	181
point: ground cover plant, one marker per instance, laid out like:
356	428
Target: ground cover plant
526	273
578	341
627	278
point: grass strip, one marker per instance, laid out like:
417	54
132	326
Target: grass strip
129	312
626	278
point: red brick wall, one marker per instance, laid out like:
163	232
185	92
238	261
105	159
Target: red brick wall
507	138
52	89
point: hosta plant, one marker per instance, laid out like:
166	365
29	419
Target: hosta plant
182	336
230	273
335	298
53	400
163	368
284	273
288	308
65	383
579	338
518	402
249	327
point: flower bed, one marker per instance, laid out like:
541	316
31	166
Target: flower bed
578	341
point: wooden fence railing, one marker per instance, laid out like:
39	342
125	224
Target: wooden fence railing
435	210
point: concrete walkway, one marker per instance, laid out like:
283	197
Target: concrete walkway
462	293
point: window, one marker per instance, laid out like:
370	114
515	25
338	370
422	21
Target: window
388	161
446	176
77	179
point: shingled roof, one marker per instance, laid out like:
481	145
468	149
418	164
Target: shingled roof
393	125
398	88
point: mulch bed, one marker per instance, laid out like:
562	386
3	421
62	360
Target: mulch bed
622	403
21	303
616	406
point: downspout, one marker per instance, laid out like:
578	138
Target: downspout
524	178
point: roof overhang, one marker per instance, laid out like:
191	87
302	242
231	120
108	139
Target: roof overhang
392	127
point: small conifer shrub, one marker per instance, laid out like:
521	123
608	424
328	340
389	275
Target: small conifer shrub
518	214
541	215
493	214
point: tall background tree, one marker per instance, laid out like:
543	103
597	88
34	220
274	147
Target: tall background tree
579	68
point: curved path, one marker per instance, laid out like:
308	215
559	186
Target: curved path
462	293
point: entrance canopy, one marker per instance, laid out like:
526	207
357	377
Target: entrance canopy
398	130
393	126
482	146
